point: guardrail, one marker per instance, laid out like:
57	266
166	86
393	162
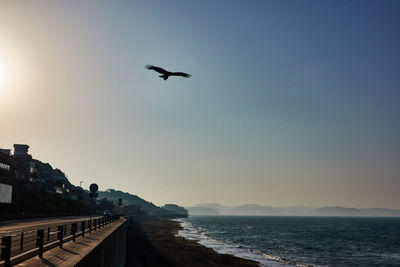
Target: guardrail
35	242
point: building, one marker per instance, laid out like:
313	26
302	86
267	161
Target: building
28	165
10	172
21	150
5	151
10	168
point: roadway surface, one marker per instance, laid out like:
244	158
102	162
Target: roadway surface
13	226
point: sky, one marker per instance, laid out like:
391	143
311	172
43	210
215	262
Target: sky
290	102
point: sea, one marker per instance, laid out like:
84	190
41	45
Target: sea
300	241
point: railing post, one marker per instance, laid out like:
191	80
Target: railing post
21	245
74	228
60	234
90	226
39	242
65	229
95	224
48	234
6	251
83	227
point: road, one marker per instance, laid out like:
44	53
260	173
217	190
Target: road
14	226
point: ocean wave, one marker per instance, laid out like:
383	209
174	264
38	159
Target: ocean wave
287	262
199	234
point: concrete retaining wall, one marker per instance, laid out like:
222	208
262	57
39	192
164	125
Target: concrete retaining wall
111	252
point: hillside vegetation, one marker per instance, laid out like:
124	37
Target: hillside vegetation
139	204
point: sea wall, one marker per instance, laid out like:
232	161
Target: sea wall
111	252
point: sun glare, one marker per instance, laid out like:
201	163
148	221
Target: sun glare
6	71
2	76
4	82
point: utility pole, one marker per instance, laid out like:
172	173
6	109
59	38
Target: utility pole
92	195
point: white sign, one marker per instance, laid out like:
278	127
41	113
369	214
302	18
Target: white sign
5	193
4	166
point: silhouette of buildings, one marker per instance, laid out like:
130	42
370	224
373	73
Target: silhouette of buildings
5	151
21	150
34	175
10	167
11	171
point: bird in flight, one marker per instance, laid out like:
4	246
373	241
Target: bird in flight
165	73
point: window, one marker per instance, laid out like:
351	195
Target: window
4	166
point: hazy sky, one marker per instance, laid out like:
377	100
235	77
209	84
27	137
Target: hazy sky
290	102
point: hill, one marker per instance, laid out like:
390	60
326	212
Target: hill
146	206
179	211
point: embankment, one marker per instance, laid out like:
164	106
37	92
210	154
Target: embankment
111	252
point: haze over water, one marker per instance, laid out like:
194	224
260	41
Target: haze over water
290	103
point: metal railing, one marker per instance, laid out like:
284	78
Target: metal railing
36	241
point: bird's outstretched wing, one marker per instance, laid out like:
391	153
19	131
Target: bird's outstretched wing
158	69
181	74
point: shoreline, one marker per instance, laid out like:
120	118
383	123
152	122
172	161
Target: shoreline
155	242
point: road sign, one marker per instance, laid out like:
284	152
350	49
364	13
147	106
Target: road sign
94	188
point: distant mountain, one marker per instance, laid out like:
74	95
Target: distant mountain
202	211
249	210
258	210
215	206
298	210
337	211
252	209
378	212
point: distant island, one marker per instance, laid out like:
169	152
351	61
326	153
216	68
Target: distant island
202	211
258	210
